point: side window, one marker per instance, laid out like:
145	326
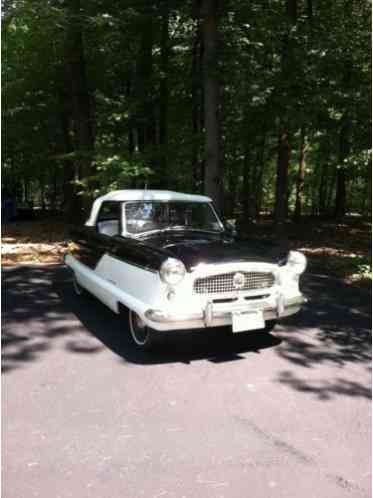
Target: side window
108	219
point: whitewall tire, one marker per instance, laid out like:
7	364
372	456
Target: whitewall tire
143	336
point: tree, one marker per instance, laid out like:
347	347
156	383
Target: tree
101	96
213	183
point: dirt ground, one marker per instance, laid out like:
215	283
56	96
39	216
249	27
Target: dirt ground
40	241
342	250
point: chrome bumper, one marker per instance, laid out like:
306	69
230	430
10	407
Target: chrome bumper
209	314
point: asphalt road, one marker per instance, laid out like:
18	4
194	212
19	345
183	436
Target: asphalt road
285	414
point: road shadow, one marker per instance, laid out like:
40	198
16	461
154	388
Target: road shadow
333	329
216	345
41	312
335	325
43	298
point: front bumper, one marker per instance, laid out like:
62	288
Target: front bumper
214	316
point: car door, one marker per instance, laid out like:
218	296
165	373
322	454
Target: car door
93	242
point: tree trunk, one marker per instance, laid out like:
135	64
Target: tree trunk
197	106
260	176
344	149
55	188
68	175
81	100
284	151
246	187
323	188
259	172
281	202
213	182
42	193
145	119
340	194
330	191
300	179
164	92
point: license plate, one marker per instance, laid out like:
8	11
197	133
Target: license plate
247	320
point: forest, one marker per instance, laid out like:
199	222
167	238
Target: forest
264	105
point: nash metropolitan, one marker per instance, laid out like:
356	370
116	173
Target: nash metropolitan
170	261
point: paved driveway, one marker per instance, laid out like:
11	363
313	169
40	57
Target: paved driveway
285	414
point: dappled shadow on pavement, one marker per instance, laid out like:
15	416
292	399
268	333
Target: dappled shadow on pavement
40	307
333	329
326	389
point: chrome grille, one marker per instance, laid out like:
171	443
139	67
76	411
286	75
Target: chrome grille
224	282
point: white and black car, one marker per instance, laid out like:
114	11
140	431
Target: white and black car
169	259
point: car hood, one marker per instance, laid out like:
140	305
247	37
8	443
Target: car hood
193	248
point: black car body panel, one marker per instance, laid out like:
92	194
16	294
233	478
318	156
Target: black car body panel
196	247
91	246
191	247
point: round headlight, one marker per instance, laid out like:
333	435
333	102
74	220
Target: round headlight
172	271
297	262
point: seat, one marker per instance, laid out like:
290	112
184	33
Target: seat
109	227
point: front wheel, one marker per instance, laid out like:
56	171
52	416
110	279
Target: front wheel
143	336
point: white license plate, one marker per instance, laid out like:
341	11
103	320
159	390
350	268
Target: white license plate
247	320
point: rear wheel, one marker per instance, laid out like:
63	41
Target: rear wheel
143	336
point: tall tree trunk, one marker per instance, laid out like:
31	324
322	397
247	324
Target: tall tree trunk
366	199
330	192
340	193
284	151
145	119
25	191
197	109
55	188
42	193
246	186
323	185
281	202
164	91
322	179
130	133
344	149
299	201
81	99
258	181
213	182
68	176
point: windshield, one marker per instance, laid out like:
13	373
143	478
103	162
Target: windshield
141	217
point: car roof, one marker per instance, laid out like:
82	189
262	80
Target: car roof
142	195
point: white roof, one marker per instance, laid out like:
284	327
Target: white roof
142	195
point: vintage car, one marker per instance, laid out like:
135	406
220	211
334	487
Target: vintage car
169	260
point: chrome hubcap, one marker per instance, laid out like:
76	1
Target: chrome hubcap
139	329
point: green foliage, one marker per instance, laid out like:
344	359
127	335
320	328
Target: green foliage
118	171
324	77
362	267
